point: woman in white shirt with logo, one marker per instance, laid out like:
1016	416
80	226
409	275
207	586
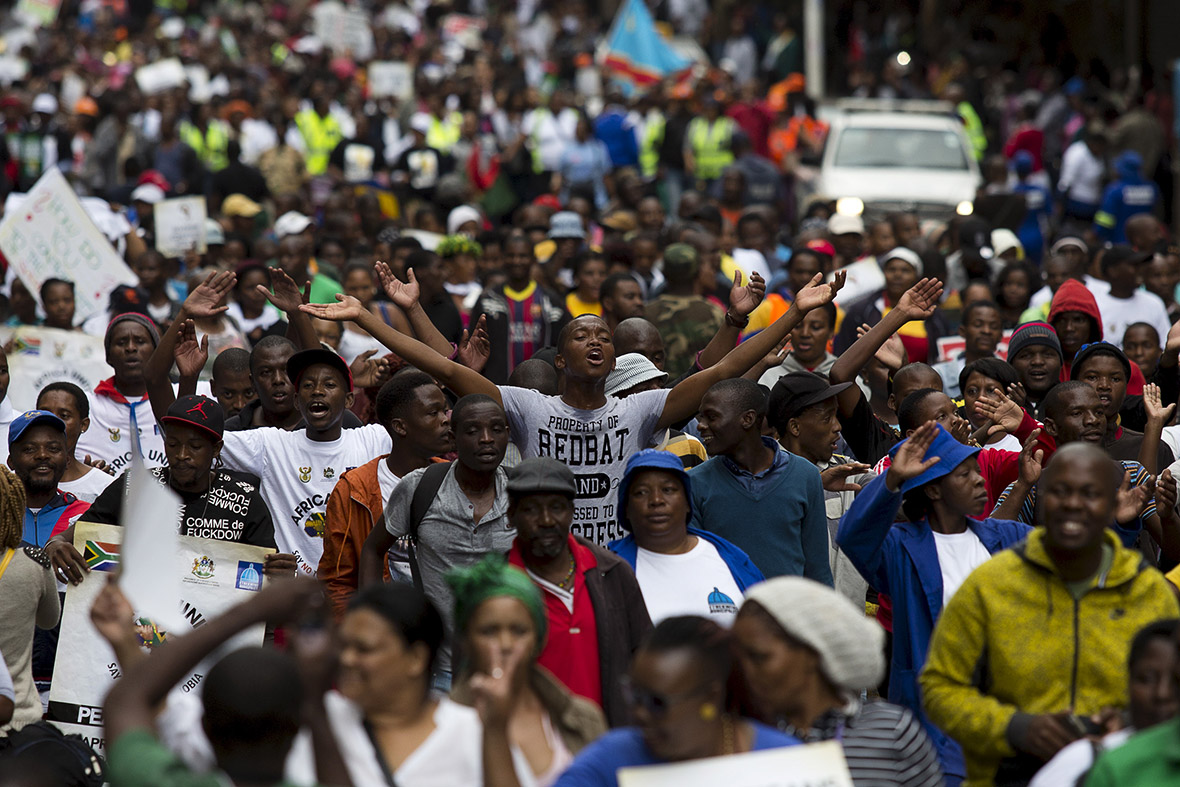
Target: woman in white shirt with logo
681	570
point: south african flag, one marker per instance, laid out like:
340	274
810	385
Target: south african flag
102	556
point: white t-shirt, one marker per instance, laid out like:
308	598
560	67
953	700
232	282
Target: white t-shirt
89	486
386	482
1142	306
697	582
297	475
958	555
595	444
451	755
1045	295
109	435
1072	762
268	317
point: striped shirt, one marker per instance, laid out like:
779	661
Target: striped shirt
883	743
1028	509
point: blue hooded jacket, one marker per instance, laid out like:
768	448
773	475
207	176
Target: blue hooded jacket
1131	194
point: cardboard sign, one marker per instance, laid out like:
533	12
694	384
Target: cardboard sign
51	236
812	765
387	78
41	356
214	575
344	29
160	76
180	226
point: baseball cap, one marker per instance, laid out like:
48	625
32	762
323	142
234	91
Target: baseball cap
291	223
631	369
842	224
1069	242
33	418
149	193
795	391
45	104
620	221
681	260
303	360
214	234
566	224
540	475
1121	252
199	412
240	205
821	246
420	122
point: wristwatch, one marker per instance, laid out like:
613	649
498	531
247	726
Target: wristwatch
734	322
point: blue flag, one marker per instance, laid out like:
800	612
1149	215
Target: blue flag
636	53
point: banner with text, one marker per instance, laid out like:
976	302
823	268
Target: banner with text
813	765
51	236
40	356
214	576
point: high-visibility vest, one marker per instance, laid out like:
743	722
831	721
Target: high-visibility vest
649	151
710	146
320	136
443	134
535	138
974	128
210	147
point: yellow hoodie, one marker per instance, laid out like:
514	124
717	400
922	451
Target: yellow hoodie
1013	641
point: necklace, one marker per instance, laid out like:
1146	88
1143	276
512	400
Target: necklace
728	745
568	581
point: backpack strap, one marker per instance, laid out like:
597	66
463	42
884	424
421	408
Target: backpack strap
427	490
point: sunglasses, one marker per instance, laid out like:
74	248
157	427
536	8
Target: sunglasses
653	702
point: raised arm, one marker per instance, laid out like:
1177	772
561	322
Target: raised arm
204	301
685	398
743	300
406	297
286	297
918	303
1157	416
455	376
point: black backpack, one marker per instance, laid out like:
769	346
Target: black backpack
424	494
42	751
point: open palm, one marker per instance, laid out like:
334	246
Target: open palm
403	293
817	292
346	308
284	292
207	298
744	299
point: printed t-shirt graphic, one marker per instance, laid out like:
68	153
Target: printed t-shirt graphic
297	475
594	444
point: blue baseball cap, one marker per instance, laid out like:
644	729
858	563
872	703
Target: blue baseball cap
33	418
950	452
651	459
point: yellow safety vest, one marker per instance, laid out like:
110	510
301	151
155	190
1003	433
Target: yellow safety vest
443	134
321	136
210	147
649	152
710	146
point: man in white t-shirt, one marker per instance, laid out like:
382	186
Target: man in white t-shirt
591	433
1125	303
414	411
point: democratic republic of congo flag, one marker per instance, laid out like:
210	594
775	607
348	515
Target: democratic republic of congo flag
635	51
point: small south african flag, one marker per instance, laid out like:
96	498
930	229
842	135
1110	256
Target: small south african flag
102	556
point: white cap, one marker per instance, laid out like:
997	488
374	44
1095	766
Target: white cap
149	193
843	224
420	122
214	234
460	216
1005	240
291	223
45	104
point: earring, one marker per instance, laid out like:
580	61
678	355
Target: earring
708	712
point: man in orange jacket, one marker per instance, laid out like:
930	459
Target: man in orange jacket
412	407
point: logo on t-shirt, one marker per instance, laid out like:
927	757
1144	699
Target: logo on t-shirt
113	434
305	474
249	576
721	604
314	526
203	567
329	473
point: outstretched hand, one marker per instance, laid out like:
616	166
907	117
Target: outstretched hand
403	294
189	354
346	308
369	372
1157	413
745	299
817	292
1031	461
1165	497
891	354
1005	414
284	292
920	301
835	479
1133	499
208	298
475	347
909	461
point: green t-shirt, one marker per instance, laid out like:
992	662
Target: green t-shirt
138	759
1079	588
324	289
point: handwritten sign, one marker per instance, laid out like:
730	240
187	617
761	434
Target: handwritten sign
813	765
180	226
344	29
387	78
51	236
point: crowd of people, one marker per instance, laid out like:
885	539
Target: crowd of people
568	444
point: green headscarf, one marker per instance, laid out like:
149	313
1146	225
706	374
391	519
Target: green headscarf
454	245
492	577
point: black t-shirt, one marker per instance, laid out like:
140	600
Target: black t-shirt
868	437
230	510
1125	444
443	312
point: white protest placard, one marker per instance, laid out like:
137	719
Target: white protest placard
214	576
148	508
160	76
389	78
180	226
812	765
40	356
344	29
50	236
